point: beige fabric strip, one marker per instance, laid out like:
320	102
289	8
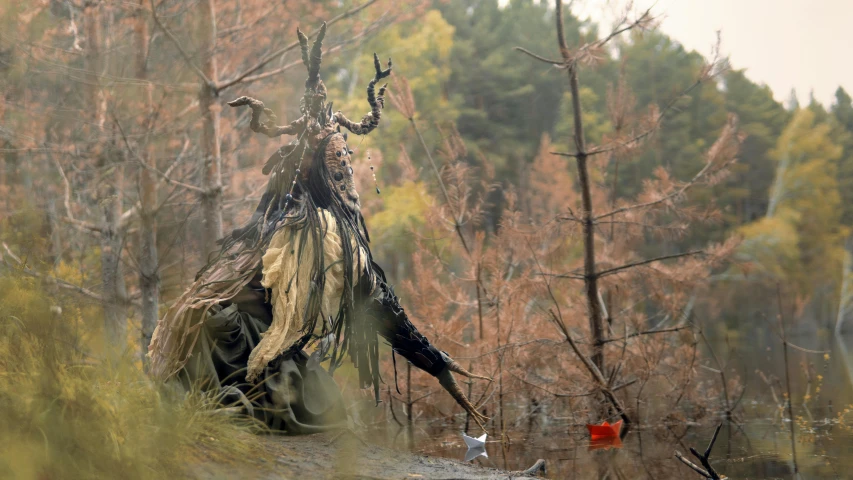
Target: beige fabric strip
289	280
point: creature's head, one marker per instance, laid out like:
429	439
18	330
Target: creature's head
318	139
337	157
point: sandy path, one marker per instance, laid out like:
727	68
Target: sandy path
315	457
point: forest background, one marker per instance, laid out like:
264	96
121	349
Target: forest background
121	166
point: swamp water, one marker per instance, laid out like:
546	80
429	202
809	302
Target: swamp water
757	444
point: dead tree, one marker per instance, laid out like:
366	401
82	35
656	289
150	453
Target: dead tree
719	157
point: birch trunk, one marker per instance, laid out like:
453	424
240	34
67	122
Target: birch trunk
149	274
112	275
210	110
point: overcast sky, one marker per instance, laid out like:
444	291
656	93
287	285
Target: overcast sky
802	44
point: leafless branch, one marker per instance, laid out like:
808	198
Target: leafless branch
82	225
573	276
127	215
145	165
539	57
277	71
618	269
593	370
570	395
224	32
272	56
636	139
640	22
728	134
284	68
67	197
647	332
20	266
180	48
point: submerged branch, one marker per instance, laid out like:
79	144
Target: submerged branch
706	470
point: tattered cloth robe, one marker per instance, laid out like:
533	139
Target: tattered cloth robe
315	283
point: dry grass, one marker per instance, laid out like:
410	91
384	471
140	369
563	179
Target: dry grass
65	412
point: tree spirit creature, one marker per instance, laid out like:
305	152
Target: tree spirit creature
297	276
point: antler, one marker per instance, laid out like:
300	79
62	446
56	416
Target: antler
377	103
269	129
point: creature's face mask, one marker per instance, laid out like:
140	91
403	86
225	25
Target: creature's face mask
338	158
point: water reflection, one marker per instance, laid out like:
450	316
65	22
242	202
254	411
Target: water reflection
753	450
758	445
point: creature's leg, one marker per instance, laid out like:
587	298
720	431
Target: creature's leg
394	325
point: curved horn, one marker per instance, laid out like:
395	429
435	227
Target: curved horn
316	58
303	44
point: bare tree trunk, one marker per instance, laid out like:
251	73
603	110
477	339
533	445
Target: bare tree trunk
53	225
149	274
94	65
112	275
210	109
596	323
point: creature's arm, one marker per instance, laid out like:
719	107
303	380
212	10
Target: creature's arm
393	324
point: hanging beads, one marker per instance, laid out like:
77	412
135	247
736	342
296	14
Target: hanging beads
289	197
373	172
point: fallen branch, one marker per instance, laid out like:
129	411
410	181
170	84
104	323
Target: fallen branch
706	470
536	469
